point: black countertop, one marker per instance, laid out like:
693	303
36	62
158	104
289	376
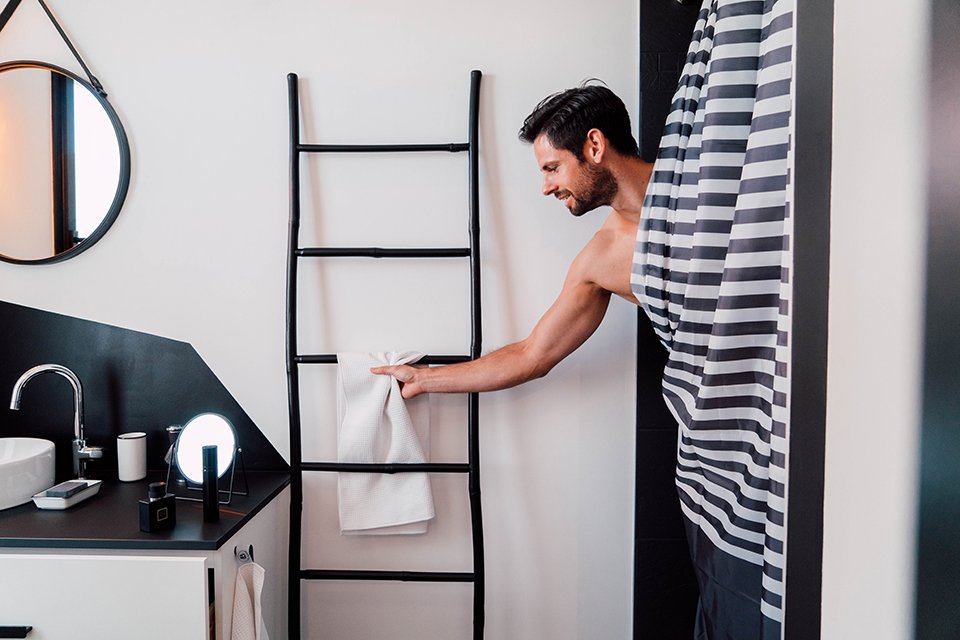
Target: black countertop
110	519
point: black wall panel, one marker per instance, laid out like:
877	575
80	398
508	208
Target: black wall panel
666	27
131	381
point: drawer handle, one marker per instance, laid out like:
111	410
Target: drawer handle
15	632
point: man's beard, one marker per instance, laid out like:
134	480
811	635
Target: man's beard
597	189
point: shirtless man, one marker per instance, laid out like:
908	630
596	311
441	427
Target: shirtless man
583	144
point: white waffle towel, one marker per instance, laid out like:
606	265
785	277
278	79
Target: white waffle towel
247	621
376	426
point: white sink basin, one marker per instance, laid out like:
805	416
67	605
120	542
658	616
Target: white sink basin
26	468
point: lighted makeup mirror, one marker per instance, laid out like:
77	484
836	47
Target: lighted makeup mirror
203	430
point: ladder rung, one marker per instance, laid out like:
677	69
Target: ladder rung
452	147
406	576
331	358
379	252
387	467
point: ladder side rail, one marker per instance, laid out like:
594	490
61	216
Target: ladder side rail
473	417
293	378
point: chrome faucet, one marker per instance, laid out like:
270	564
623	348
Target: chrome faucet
81	452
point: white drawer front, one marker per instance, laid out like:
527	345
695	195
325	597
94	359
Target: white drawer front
83	597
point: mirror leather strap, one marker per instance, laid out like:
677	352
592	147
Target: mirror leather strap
7	12
12	6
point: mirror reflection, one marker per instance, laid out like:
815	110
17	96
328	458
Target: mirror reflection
64	163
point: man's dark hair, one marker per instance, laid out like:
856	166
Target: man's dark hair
567	116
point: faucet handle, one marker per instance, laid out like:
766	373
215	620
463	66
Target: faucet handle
83	451
90	453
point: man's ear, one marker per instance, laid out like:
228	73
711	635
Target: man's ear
594	146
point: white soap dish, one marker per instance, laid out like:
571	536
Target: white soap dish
44	501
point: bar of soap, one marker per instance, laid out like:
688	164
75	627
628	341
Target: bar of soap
66	489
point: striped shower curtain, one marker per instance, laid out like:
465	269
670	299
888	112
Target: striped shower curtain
711	269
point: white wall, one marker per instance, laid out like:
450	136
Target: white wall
198	254
876	304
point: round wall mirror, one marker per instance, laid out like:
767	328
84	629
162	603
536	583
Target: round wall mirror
64	163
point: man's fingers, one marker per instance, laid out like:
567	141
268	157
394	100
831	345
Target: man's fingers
397	371
389	370
404	374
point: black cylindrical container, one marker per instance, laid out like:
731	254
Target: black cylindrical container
211	490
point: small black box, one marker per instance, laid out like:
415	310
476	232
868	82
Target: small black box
158	513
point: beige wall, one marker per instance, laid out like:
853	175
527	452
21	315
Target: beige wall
876	285
198	254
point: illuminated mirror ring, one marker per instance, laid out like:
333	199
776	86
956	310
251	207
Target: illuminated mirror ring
12	154
203	430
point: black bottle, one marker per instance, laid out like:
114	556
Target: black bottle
159	511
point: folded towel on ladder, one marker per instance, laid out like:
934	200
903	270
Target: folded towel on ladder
376	426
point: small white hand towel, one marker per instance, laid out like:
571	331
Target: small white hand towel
247	622
376	426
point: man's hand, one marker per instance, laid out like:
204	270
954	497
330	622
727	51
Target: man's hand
410	386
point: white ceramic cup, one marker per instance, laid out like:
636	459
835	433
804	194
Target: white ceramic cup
132	456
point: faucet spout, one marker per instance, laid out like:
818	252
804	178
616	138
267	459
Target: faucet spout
74	382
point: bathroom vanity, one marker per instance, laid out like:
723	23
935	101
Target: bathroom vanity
88	572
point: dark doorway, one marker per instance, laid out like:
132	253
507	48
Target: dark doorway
665	587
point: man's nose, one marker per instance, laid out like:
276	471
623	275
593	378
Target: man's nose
548	187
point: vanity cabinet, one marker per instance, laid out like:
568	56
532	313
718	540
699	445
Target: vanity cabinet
95	589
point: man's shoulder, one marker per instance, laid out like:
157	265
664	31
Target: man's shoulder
605	259
616	230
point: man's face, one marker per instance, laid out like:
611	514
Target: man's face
581	185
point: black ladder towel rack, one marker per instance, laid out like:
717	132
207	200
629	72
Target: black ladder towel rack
296	359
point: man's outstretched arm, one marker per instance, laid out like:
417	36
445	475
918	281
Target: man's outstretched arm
572	318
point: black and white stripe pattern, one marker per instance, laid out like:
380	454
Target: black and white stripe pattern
711	270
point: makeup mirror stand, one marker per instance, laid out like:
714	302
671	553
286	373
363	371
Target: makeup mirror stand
179	481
